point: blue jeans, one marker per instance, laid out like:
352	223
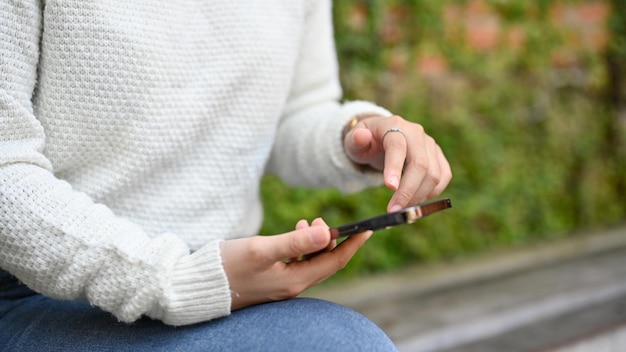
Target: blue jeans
32	322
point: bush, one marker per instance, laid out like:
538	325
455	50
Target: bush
515	94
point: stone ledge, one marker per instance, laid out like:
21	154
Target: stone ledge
447	306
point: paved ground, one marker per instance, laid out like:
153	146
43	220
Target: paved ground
560	296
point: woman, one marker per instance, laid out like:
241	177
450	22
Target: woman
133	136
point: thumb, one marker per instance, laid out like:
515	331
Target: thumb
298	242
358	142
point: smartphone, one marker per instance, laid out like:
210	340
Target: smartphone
405	216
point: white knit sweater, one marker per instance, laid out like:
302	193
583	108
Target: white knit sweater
133	135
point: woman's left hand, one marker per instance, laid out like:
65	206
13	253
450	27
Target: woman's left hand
413	165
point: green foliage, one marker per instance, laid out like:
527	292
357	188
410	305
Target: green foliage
526	131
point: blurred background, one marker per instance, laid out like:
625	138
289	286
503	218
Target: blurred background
528	101
526	98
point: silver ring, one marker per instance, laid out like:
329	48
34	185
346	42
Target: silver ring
392	129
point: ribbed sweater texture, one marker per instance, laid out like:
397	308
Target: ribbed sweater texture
134	134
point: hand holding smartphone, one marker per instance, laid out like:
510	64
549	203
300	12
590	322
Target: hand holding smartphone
405	216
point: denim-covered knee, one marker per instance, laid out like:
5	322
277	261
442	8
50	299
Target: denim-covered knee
326	326
302	324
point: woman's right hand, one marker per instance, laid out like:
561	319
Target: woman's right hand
264	268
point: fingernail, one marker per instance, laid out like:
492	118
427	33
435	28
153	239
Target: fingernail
395	208
394	182
317	237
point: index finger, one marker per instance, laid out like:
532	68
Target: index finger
395	145
326	264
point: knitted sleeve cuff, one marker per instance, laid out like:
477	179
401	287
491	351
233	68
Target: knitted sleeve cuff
198	291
